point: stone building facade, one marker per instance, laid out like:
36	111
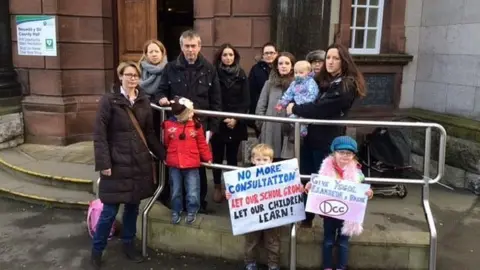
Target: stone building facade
61	92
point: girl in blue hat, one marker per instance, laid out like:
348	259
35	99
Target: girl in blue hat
341	164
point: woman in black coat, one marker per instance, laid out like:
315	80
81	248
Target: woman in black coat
235	98
340	83
123	158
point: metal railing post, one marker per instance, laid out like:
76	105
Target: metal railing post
425	181
161	185
432	260
95	187
293	229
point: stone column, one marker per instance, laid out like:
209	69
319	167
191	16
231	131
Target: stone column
299	26
11	126
63	90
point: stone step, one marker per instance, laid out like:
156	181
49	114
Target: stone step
69	176
211	235
22	190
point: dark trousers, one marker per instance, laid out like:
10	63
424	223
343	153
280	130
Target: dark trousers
332	233
105	223
310	161
220	148
271	243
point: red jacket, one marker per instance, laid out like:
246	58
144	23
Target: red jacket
187	153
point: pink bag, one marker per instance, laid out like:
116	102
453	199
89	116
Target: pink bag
94	211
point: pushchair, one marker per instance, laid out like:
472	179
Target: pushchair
385	153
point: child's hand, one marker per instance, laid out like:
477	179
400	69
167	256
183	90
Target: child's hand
278	108
228	195
369	193
308	186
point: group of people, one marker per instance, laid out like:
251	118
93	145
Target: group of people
127	145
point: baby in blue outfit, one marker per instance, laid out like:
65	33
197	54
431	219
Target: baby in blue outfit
302	90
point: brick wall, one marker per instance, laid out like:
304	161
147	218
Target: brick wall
243	23
62	91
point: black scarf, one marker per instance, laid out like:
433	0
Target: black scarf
228	74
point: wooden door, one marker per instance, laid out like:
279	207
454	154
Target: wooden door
137	22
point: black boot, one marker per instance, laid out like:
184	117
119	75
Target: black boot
131	253
96	260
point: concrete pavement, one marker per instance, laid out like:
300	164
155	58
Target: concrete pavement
38	238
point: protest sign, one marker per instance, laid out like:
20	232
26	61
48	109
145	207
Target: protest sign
265	196
340	199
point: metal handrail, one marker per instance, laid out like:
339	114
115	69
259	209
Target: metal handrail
425	181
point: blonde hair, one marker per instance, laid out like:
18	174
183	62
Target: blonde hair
156	42
303	65
123	65
263	150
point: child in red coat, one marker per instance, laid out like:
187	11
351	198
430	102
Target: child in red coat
186	147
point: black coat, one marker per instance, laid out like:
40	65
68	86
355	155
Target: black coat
333	102
118	147
198	82
235	98
257	77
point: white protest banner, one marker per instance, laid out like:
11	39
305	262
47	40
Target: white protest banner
265	197
339	199
36	35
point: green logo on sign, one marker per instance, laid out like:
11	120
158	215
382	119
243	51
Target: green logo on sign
49	43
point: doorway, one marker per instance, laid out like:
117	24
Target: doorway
174	17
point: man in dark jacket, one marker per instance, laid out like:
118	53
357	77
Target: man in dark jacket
193	77
258	76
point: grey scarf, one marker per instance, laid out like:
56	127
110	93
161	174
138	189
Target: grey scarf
151	75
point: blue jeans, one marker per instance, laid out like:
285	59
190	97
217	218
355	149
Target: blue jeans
332	232
106	220
190	178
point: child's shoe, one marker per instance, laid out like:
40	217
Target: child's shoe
190	219
176	218
251	266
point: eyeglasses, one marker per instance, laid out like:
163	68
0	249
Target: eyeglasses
345	153
269	53
131	76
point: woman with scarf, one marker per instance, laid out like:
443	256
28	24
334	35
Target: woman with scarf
235	98
151	65
278	82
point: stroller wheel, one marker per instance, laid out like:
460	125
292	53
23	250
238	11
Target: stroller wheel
402	191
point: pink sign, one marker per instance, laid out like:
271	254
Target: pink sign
339	199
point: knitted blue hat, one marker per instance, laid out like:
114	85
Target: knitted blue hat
344	143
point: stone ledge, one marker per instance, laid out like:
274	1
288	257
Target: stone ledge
11	130
384	59
456	126
211	236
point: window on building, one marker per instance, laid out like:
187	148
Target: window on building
366	27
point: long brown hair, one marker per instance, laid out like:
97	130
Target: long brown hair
218	55
350	71
275	63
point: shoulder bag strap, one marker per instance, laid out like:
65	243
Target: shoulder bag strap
140	133
137	126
